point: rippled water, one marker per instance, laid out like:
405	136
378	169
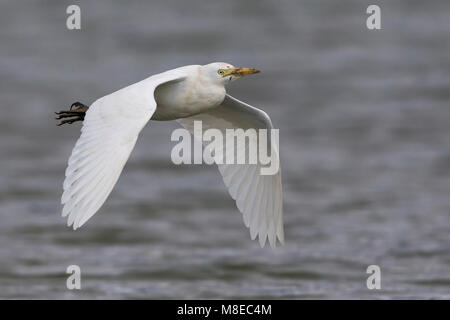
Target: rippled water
364	122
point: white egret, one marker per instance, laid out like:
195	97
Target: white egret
112	124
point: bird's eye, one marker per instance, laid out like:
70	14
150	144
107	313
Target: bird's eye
221	72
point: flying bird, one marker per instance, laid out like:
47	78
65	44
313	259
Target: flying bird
111	126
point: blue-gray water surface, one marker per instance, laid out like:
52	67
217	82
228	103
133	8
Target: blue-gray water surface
364	120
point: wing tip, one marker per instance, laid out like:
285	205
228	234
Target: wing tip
273	239
71	223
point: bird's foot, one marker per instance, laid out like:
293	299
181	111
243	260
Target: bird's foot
76	113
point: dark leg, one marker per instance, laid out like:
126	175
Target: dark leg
76	113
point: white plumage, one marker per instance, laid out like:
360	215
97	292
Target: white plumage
112	125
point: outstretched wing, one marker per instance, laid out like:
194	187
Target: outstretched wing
109	133
258	197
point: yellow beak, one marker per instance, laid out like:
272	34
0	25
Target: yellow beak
240	72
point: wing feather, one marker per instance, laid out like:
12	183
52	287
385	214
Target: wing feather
258	197
109	134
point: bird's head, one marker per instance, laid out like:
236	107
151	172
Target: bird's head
224	72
